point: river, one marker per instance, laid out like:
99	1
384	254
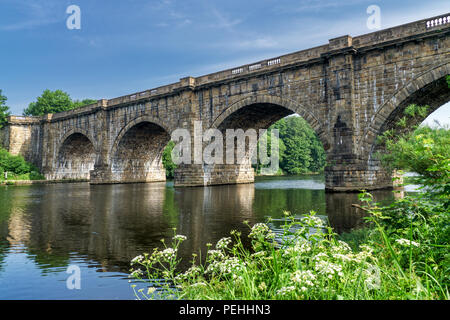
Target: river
44	229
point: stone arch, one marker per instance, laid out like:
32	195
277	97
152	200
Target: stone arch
428	88
80	131
289	105
75	157
253	112
132	123
136	154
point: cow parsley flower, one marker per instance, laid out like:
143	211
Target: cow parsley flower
179	237
137	259
223	243
285	290
407	243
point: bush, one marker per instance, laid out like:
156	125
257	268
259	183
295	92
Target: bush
17	167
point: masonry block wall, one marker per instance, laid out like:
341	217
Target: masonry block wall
349	90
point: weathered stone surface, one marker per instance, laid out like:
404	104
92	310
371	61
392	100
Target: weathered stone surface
349	90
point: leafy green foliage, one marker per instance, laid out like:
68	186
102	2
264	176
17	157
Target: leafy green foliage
425	151
303	150
266	141
167	160
415	230
17	167
53	102
4	110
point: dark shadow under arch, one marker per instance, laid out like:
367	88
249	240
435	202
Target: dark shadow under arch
75	158
137	154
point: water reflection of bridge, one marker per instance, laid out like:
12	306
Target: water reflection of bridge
111	224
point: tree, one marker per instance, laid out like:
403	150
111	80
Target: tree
53	102
425	151
82	103
167	160
4	110
303	150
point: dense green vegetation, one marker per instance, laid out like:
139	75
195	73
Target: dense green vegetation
17	168
4	109
167	160
301	151
425	151
403	253
53	102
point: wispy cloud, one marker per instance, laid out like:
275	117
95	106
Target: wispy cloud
33	14
316	5
222	21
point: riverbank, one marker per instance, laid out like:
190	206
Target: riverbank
31	182
396	257
282	174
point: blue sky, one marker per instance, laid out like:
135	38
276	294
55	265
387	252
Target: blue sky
128	46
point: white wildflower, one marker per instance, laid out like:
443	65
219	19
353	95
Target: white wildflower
199	284
406	242
343	257
312	221
223	243
304	278
179	237
285	290
215	254
137	273
137	259
300	247
261	230
343	246
329	269
228	266
168	254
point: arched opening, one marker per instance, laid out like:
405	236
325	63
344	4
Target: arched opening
434	94
137	155
251	118
76	158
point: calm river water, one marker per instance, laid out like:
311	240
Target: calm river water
46	228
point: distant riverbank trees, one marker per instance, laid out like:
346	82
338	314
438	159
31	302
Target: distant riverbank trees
301	151
4	109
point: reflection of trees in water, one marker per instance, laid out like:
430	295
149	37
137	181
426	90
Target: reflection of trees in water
108	225
208	214
14	221
273	202
343	216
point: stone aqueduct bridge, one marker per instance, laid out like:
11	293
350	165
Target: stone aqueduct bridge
349	90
